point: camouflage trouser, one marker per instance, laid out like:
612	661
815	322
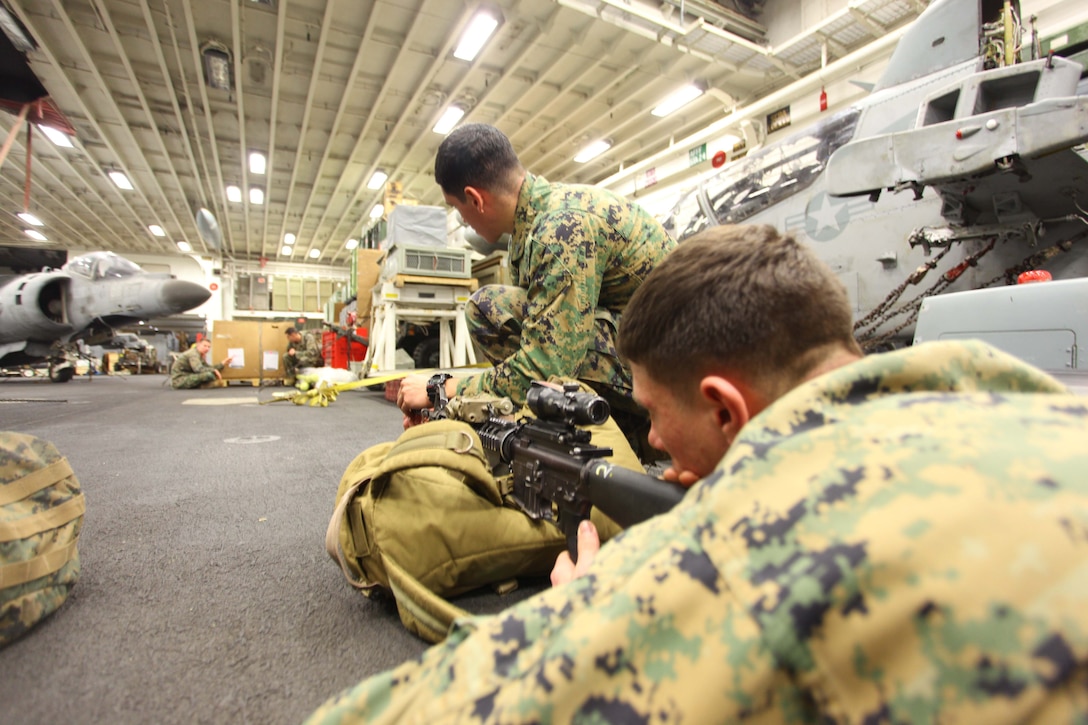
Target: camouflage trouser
494	314
194	380
290	367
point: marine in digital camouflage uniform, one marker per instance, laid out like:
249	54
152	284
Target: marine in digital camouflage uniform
191	371
900	539
576	255
308	354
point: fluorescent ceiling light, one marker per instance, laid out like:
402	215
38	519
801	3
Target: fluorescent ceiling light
256	195
121	180
351	244
185	247
157	230
476	34
59	138
14	30
256	162
377	179
677	99
449	119
592	151
315	253
34	234
234	193
377	211
286	251
29	218
288	238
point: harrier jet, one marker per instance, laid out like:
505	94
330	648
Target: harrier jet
43	314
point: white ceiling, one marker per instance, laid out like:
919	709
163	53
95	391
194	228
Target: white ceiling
332	90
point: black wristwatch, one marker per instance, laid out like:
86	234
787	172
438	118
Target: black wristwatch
436	389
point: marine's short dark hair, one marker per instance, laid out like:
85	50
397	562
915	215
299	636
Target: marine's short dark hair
290	331
738	298
477	155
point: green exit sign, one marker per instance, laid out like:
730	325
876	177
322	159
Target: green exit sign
697	155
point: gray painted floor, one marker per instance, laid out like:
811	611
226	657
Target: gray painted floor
206	595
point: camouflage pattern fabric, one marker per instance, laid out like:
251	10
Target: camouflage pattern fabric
900	540
41	514
307	354
579	253
495	314
191	371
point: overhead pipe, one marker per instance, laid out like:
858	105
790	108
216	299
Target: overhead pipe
806	85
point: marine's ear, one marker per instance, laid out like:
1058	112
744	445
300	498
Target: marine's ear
732	401
477	198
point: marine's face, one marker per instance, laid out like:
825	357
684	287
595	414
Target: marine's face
687	428
203	346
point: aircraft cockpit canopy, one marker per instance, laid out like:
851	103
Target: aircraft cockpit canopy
102	265
762	178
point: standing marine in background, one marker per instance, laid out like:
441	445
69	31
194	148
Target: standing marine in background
191	371
303	351
577	254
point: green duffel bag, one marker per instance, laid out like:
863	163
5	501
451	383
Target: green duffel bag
424	519
41	512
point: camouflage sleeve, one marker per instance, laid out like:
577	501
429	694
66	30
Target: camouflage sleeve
563	288
874	556
656	639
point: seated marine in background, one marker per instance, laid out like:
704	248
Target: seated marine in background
893	538
190	370
303	351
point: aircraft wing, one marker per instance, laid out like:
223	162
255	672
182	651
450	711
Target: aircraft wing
1003	140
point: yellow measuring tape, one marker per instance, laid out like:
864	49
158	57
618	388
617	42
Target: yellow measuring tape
324	392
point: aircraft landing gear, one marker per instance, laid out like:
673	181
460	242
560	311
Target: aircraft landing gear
61	373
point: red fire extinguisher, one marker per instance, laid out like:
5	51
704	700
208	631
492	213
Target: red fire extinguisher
823	99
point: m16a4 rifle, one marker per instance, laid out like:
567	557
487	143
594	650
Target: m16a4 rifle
558	474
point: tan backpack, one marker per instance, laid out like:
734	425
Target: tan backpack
424	518
41	513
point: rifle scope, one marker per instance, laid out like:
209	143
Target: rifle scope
570	405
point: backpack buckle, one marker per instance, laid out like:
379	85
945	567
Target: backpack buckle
468	446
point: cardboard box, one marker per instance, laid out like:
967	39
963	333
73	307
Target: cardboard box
257	348
369	265
274	340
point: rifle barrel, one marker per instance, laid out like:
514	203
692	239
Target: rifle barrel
628	497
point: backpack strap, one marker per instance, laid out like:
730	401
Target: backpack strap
448	444
421	610
332	535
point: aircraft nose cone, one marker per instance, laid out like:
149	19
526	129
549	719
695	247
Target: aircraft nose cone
180	296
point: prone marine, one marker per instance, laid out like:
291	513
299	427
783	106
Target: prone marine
898	537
